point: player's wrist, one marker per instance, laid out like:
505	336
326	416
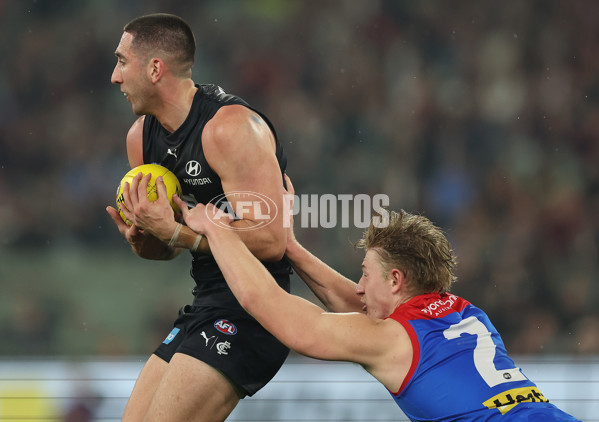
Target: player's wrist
183	237
175	236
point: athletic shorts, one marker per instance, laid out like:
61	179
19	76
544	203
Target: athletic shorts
230	341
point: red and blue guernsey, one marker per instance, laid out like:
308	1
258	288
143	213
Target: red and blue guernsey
460	369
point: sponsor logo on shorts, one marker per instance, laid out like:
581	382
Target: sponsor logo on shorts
171	336
506	401
225	327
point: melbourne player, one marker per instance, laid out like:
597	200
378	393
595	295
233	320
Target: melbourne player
438	355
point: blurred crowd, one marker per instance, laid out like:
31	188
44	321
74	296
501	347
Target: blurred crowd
481	115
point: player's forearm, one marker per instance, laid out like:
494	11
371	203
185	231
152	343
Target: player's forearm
245	275
153	248
282	314
336	292
262	243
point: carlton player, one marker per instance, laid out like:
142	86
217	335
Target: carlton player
217	146
438	355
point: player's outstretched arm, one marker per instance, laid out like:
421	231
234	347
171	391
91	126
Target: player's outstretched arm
335	291
382	347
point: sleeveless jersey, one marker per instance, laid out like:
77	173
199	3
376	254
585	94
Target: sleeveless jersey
181	152
460	368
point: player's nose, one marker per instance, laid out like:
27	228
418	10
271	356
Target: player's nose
115	78
359	289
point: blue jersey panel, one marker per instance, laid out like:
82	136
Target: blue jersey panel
462	371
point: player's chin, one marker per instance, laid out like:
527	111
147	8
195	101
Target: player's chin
138	109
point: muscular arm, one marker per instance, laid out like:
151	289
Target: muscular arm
336	292
381	346
240	147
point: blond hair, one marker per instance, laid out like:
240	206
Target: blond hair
414	245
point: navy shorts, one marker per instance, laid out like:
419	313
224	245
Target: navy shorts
230	341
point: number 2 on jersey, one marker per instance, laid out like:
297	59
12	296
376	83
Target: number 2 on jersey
484	352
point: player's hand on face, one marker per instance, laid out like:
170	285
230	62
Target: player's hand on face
203	219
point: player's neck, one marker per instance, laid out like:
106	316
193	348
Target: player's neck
175	104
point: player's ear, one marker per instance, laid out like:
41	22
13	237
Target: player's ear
156	69
398	280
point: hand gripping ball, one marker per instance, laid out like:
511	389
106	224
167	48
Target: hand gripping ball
170	180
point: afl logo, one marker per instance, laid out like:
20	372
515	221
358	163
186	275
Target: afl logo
193	168
262	209
225	327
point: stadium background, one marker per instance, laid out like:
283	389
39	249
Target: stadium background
482	115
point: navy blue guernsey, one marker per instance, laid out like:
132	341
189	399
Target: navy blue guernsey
181	152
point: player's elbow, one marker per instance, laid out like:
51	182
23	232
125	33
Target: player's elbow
272	248
272	253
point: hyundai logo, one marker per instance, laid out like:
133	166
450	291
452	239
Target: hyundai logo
193	168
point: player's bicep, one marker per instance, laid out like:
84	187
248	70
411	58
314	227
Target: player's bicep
350	337
240	148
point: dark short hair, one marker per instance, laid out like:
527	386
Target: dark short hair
414	245
167	36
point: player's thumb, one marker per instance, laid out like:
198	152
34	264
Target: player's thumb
181	203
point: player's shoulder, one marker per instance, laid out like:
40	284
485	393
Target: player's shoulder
231	114
231	124
135	142
136	129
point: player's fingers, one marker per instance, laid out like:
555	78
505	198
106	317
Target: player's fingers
182	205
127	195
215	214
116	217
128	214
160	188
142	188
133	189
128	203
191	217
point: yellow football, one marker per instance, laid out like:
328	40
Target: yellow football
170	180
